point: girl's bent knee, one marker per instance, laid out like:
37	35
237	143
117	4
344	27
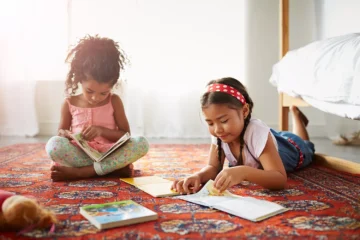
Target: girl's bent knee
54	145
142	144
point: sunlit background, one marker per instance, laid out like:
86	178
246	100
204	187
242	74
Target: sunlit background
174	46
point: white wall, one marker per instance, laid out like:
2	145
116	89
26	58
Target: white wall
309	20
33	45
49	95
338	17
175	47
262	37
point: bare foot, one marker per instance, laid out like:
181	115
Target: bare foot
296	111
62	173
124	172
342	140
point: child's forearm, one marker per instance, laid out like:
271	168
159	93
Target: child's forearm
270	179
207	173
111	134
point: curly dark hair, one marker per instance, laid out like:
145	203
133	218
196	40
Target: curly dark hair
224	98
98	57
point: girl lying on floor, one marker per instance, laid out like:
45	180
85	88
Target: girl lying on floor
255	152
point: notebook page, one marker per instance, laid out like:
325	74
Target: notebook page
158	189
249	208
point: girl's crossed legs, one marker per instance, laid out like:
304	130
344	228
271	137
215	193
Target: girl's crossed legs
72	163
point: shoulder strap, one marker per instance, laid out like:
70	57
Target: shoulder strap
68	102
110	99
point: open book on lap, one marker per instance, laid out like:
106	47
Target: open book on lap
93	153
245	207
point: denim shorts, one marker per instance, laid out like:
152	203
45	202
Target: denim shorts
289	154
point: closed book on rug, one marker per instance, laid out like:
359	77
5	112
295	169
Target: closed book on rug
245	207
116	214
153	185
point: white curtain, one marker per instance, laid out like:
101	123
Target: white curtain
32	46
175	47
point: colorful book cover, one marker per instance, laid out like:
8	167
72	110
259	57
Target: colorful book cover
116	214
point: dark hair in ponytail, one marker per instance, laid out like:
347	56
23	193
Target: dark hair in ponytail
224	98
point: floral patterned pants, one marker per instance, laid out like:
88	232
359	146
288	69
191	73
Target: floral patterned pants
64	153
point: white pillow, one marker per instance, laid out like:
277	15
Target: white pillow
326	70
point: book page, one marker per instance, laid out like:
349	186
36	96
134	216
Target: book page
158	189
120	142
84	145
246	207
205	200
249	208
208	195
94	154
153	185
137	181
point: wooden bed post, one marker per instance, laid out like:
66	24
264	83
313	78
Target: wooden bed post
284	47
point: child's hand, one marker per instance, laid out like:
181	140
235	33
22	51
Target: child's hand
91	132
188	185
228	178
63	133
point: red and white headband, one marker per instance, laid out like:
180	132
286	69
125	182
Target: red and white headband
218	87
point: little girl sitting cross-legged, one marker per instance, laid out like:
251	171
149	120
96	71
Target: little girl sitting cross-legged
97	113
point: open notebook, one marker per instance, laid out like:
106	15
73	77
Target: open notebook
153	185
245	207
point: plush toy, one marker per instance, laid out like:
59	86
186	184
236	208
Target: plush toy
20	213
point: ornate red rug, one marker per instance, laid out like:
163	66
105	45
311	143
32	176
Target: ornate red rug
324	204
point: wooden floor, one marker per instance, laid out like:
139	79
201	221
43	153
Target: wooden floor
338	163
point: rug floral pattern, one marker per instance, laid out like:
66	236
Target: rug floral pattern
324	204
